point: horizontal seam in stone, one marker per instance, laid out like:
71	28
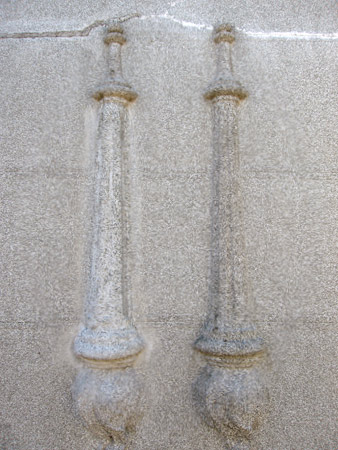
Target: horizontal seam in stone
287	35
66	33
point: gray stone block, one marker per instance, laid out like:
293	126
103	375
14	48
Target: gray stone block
36	405
43	230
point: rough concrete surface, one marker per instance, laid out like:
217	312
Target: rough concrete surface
288	168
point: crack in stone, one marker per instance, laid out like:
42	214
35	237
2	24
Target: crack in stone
303	35
67	33
289	35
183	23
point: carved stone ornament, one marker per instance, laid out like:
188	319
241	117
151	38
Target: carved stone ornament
230	392
107	390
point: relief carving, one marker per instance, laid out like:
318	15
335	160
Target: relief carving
230	392
107	390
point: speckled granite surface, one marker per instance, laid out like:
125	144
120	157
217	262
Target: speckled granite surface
289	173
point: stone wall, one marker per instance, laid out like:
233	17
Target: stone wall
53	59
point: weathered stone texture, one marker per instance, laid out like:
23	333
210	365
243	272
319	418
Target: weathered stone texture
316	16
288	163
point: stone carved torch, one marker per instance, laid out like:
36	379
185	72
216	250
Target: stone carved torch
229	392
107	390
